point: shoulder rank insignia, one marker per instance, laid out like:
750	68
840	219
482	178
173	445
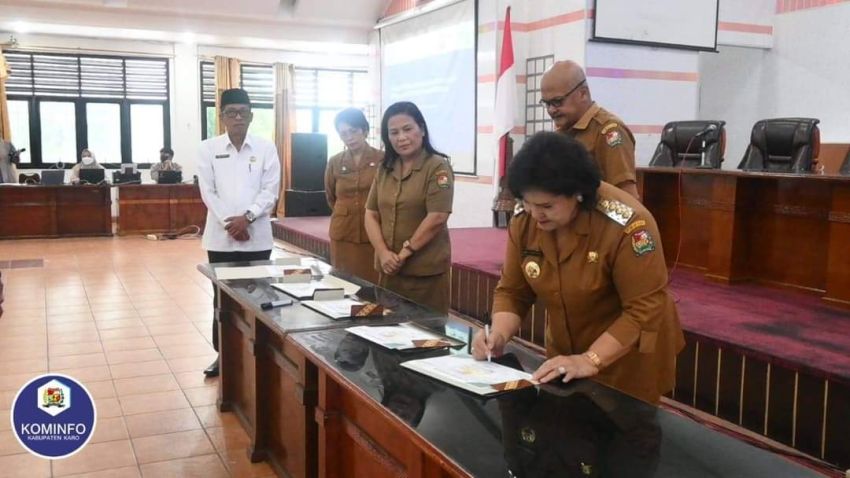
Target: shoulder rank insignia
615	210
518	209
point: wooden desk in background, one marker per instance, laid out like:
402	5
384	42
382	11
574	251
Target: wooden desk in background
791	230
157	208
54	211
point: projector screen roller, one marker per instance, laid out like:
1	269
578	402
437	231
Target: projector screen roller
690	24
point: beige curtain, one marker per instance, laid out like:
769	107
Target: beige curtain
5	129
227	76
284	125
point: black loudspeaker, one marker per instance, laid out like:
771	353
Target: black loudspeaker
309	159
306	203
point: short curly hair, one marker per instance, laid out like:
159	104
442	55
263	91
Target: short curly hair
556	164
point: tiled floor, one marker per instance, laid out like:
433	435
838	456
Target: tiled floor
131	319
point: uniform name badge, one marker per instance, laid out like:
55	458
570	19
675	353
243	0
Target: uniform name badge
532	270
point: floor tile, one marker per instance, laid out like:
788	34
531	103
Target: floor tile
172	446
203	396
139	369
154	402
145	384
115	357
238	464
210	417
110	429
159	423
195	380
24	466
229	438
125	472
207	466
96	457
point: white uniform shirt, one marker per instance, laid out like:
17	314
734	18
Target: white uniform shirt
233	182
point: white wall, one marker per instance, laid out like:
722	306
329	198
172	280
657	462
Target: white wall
804	74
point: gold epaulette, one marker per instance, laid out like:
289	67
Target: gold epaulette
617	211
518	209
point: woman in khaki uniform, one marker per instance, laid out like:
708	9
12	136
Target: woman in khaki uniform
348	178
408	208
590	251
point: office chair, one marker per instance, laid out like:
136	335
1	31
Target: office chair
783	145
691	144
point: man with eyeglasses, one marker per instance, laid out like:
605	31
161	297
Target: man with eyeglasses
566	96
239	179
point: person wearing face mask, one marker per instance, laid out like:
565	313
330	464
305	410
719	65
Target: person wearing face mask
591	253
408	210
166	163
8	170
348	178
87	161
566	96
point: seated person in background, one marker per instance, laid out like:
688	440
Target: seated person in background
87	161
8	171
166	163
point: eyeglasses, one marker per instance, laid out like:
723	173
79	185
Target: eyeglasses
232	114
557	101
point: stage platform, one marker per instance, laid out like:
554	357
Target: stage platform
771	360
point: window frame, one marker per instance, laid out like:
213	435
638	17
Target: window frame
533	94
80	102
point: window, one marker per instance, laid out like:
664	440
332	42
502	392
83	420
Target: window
208	114
59	130
536	117
20	110
258	81
60	104
321	94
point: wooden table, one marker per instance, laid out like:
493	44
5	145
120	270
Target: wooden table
264	381
784	229
28	211
158	208
317	401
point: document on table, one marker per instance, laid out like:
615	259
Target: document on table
252	272
477	376
335	309
306	290
404	336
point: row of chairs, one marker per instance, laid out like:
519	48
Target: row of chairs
787	145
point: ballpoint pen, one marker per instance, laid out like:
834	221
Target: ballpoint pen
487	340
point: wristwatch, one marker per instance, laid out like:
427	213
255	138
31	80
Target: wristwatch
250	216
406	245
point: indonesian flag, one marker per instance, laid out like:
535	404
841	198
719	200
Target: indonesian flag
505	95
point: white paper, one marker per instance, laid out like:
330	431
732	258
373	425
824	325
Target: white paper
306	290
398	337
247	272
465	372
252	272
335	309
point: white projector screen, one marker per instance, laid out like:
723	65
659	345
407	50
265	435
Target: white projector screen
690	24
430	60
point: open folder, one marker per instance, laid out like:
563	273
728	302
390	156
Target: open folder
334	304
404	336
476	376
306	290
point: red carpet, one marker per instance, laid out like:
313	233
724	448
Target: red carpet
796	329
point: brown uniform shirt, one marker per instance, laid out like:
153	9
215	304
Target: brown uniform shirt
403	203
609	142
347	188
605	272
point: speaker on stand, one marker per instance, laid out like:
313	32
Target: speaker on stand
309	160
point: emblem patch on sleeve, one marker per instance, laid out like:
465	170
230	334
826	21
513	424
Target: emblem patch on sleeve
642	243
443	179
613	138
